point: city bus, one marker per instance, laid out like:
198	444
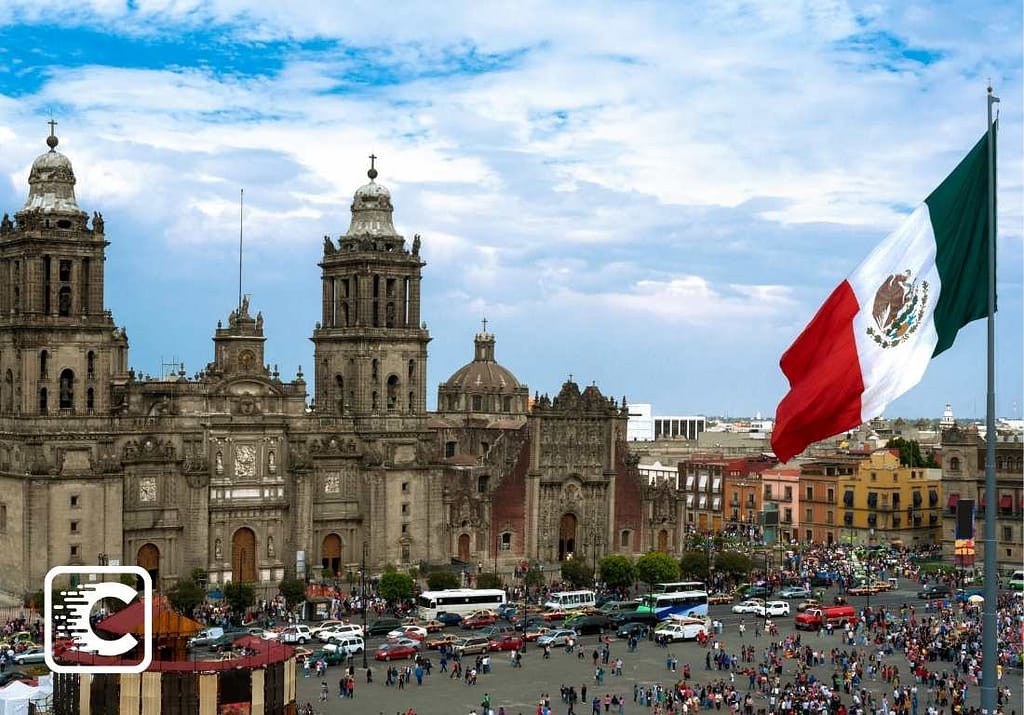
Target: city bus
463	601
570	600
677	586
677	603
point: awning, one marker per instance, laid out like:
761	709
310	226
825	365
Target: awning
954	499
1006	501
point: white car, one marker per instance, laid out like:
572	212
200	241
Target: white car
557	638
339	632
414	632
750	606
32	655
296	634
683	630
774	608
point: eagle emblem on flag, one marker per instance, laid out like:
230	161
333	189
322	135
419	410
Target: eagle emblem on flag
898	309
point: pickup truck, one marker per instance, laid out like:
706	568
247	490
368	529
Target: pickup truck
815	618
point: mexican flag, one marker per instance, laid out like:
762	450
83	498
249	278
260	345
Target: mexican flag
874	336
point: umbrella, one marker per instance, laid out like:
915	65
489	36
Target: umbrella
976	598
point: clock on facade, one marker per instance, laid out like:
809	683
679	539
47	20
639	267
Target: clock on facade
245	461
147	489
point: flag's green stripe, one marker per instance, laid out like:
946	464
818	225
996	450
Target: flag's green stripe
959	216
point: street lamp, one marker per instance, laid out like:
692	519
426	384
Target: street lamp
362	602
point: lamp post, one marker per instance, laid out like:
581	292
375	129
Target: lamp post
362	602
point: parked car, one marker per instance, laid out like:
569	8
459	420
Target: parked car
339	632
417	633
751	606
505	641
774	608
795	592
383	626
31	655
349	645
592	624
395	651
479	620
934	590
471	645
298	633
630	630
557	637
450	619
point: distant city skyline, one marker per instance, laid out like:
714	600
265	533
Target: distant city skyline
656	198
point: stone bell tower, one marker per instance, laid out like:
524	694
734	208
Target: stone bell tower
371	349
60	352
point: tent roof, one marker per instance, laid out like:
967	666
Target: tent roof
166	621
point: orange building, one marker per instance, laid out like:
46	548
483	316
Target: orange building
819	484
743	492
782	487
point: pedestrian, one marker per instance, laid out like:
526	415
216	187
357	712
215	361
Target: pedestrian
323	691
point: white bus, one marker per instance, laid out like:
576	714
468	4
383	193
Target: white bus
569	600
677	586
680	603
463	601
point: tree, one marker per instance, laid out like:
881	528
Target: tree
695	564
488	580
440	580
293	590
657	567
239	596
185	595
910	453
734	564
617	571
577	573
534	577
395	586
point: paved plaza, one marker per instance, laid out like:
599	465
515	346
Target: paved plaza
520	690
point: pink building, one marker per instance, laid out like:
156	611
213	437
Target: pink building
782	486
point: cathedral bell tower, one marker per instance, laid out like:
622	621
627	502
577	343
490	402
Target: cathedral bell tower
60	352
370	347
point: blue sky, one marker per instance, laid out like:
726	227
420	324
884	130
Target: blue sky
655	197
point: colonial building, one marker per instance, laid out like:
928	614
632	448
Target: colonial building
963	477
236	472
819	484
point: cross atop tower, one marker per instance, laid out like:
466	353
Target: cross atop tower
372	173
484	321
53	126
373	158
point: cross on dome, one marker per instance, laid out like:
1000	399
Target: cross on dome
372	173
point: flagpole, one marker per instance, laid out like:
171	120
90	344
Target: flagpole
989	644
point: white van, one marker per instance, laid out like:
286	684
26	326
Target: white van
349	645
1016	580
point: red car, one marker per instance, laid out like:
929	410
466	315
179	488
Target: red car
395	651
480	620
506	641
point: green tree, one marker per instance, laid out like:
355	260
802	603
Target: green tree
617	571
185	595
733	563
534	576
293	590
440	580
488	580
576	572
239	596
695	564
656	567
910	453
395	586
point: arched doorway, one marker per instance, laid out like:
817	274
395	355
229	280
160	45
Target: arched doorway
330	553
663	541
567	536
464	548
243	556
149	559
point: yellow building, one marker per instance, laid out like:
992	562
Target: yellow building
886	503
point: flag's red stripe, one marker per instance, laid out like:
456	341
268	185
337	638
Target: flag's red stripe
824	377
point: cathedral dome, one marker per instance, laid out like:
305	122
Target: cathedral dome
51	182
483	385
372	209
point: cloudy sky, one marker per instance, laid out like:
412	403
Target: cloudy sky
654	196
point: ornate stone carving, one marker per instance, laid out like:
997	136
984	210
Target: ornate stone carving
245	460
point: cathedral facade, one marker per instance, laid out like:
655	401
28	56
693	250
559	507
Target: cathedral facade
251	478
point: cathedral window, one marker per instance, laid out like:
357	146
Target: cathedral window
405	487
42	401
64	302
389	316
412	369
373	371
478	403
411	403
954	464
507	405
482	483
405	509
506	541
90	364
339	392
624	538
405	553
43	366
453	402
9	392
392	393
90	399
449	449
375	404
3	517
67	389
64	271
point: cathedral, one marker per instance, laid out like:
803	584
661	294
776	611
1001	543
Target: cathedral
251	478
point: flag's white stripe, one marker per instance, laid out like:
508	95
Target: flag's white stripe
889	372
